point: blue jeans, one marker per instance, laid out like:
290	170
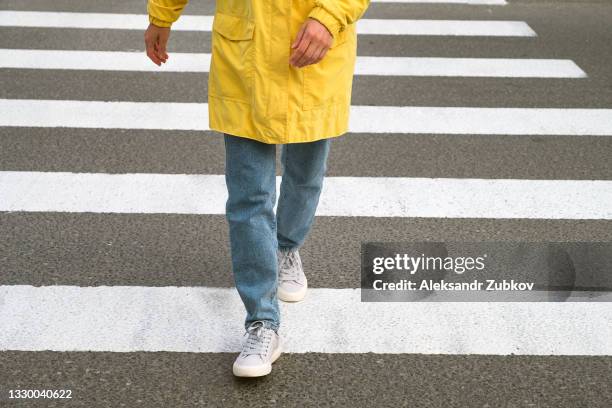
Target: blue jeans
255	231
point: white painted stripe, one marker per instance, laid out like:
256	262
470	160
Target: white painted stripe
199	319
101	60
471	2
105	115
363	119
204	23
341	196
490	28
109	21
468	67
398	66
487	121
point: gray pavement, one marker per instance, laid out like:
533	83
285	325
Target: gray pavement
195	152
315	380
191	250
88	249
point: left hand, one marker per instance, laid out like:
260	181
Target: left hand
311	44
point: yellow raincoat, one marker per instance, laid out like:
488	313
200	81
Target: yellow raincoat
253	91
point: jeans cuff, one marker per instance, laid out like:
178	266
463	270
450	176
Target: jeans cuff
287	249
267	324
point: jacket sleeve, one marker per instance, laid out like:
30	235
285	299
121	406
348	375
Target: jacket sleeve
163	13
335	15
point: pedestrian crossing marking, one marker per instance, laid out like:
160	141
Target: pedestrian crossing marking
135	318
470	2
424	27
188	319
363	119
365	26
146	193
384	66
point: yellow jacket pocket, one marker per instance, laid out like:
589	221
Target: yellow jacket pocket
232	59
327	81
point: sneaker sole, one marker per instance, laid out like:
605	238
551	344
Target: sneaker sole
258	371
291	297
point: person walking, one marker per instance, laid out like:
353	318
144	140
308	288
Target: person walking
281	72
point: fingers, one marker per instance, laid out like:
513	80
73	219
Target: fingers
300	45
156	39
162	42
309	56
311	44
157	50
151	53
299	37
321	54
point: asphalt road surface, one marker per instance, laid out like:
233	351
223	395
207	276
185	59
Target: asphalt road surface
125	297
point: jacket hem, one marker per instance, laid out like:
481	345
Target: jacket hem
238	119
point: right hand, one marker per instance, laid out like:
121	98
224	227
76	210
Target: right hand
156	39
311	44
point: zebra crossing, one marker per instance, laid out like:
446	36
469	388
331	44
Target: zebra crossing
121	316
110	21
88	314
389	66
341	196
471	2
364	119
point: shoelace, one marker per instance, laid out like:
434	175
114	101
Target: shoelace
288	268
258	340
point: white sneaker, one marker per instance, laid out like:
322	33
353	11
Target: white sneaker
292	283
261	348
